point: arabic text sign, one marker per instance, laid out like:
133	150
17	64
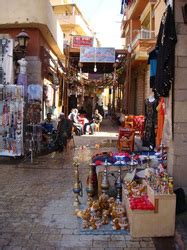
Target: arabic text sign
92	54
78	41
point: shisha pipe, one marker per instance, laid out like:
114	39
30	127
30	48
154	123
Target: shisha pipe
105	182
77	187
132	163
118	184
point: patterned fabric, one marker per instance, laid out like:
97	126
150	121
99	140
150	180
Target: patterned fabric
11	120
6	61
150	124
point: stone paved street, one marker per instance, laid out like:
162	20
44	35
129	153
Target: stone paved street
36	210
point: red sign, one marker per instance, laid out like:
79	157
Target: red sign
81	41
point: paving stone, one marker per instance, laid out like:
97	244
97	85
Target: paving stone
132	248
117	237
133	244
45	248
148	248
12	248
128	237
100	243
112	248
86	237
65	243
146	244
102	237
96	248
146	239
113	244
4	242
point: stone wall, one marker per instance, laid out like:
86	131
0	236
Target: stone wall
177	158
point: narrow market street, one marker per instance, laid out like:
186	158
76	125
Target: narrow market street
93	125
37	201
36	204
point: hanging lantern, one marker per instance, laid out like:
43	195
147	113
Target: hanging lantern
23	39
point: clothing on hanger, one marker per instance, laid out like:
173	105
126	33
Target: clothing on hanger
152	61
150	124
34	92
165	46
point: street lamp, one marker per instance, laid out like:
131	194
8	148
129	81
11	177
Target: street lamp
22	39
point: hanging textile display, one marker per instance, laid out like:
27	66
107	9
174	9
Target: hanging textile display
6	61
34	109
152	60
165	47
167	129
11	120
150	123
160	121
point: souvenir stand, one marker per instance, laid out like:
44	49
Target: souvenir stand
11	120
11	104
33	129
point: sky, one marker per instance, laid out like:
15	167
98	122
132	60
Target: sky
105	18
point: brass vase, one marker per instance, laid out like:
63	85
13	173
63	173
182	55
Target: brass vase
91	181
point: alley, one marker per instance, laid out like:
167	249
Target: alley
36	210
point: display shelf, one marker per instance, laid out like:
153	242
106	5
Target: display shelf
157	223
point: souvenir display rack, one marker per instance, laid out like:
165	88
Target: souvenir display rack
153	219
33	138
11	120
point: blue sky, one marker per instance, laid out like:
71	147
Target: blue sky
105	18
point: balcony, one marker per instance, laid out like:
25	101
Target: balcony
142	42
136	7
74	21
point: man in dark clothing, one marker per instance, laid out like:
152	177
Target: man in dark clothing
64	129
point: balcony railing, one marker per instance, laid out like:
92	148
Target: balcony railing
143	34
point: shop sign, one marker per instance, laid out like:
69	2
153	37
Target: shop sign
81	41
98	55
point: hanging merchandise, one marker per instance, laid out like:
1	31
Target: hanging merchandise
22	77
33	107
166	54
150	123
167	129
33	114
34	92
160	123
6	61
152	61
11	120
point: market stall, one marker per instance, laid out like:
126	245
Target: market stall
11	120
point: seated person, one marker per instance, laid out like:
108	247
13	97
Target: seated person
73	116
87	123
49	127
97	119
